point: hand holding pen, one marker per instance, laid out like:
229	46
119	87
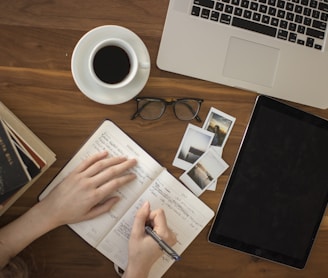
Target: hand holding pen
143	249
162	243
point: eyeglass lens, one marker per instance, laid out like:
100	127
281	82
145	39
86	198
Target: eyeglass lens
186	109
151	109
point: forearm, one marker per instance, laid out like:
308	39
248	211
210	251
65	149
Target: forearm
89	187
24	230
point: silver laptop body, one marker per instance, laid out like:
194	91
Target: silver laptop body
204	39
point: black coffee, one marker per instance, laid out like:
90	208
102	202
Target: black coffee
111	64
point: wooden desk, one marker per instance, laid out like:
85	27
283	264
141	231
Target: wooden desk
36	43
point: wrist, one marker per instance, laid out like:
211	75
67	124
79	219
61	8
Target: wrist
4	259
44	218
18	234
139	271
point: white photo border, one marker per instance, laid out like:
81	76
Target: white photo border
196	139
204	171
216	118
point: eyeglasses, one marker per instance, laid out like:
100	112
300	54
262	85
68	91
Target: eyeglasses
185	109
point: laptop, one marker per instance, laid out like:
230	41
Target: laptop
273	47
277	192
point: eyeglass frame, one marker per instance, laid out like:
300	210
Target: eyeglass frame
166	102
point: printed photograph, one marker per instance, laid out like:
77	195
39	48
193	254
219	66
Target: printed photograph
204	172
194	143
200	175
220	124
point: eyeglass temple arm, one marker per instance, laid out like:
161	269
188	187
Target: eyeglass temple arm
198	119
135	115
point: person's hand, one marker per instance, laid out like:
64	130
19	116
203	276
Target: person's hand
86	192
144	250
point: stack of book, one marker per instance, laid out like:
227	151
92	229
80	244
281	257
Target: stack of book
23	158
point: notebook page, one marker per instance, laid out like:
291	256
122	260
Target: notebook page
109	137
186	216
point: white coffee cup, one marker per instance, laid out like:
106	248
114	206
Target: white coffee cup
98	87
114	63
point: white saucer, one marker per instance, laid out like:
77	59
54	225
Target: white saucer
82	75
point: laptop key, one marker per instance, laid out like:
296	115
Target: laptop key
292	27
301	29
253	26
323	7
247	14
319	24
244	4
235	2
225	18
292	37
205	13
315	33
274	22
195	11
313	4
309	42
265	19
282	34
205	3
318	46
283	24
228	9
263	9
219	6
238	11
215	16
289	6
324	17
256	16
307	11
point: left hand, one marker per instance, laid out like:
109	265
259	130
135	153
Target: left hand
85	192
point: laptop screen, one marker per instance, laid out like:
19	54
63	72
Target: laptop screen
278	189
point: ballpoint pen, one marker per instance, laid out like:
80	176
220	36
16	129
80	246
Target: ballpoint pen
164	246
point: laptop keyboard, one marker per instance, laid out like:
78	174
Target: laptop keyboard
303	22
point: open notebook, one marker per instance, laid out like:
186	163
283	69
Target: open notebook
186	214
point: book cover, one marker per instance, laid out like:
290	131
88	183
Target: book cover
13	172
34	155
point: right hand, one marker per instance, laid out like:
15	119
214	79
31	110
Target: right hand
144	250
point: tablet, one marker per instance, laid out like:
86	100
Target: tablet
277	192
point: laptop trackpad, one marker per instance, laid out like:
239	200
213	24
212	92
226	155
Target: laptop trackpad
251	62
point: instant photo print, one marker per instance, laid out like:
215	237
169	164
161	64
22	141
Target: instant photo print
220	124
204	171
194	144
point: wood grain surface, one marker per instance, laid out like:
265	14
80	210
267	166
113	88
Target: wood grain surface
37	38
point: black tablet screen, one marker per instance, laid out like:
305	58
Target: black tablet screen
278	190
